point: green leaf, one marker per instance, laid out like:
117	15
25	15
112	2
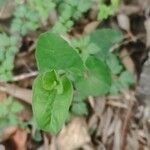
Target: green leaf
42	7
5	41
13	119
49	107
115	3
53	52
115	87
77	97
3	110
1	3
114	63
16	107
84	46
104	39
126	78
97	81
37	136
50	80
105	12
123	82
79	108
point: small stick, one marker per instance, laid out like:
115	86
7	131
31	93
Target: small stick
116	104
24	76
91	101
18	92
125	125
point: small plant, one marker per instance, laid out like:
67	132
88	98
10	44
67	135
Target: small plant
107	10
69	74
121	77
25	20
42	7
70	10
8	49
8	113
30	16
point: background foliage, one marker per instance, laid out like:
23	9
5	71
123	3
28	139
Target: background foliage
69	70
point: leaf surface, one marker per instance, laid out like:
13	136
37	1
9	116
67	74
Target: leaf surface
79	108
97	81
51	108
105	38
53	52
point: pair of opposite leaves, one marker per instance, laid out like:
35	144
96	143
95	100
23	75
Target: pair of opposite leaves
52	94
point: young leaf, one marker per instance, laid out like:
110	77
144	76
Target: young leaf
98	78
84	46
49	107
16	107
49	80
114	63
115	87
53	52
126	78
104	39
79	108
105	12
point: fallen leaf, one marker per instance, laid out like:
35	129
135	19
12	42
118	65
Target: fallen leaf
17	92
7	132
74	135
20	138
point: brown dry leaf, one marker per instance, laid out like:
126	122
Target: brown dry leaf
117	136
100	103
101	146
129	9
45	146
53	145
116	104
2	147
123	22
3	96
6	10
107	124
91	27
101	124
7	133
93	122
132	142
88	147
94	10
20	138
147	27
112	126
127	61
18	92
53	16
144	4
146	118
74	135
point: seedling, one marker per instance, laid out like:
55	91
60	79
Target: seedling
107	10
8	49
8	114
69	74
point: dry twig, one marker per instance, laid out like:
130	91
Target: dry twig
125	124
24	76
15	91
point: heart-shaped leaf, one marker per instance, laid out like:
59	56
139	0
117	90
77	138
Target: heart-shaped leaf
50	108
97	80
53	52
